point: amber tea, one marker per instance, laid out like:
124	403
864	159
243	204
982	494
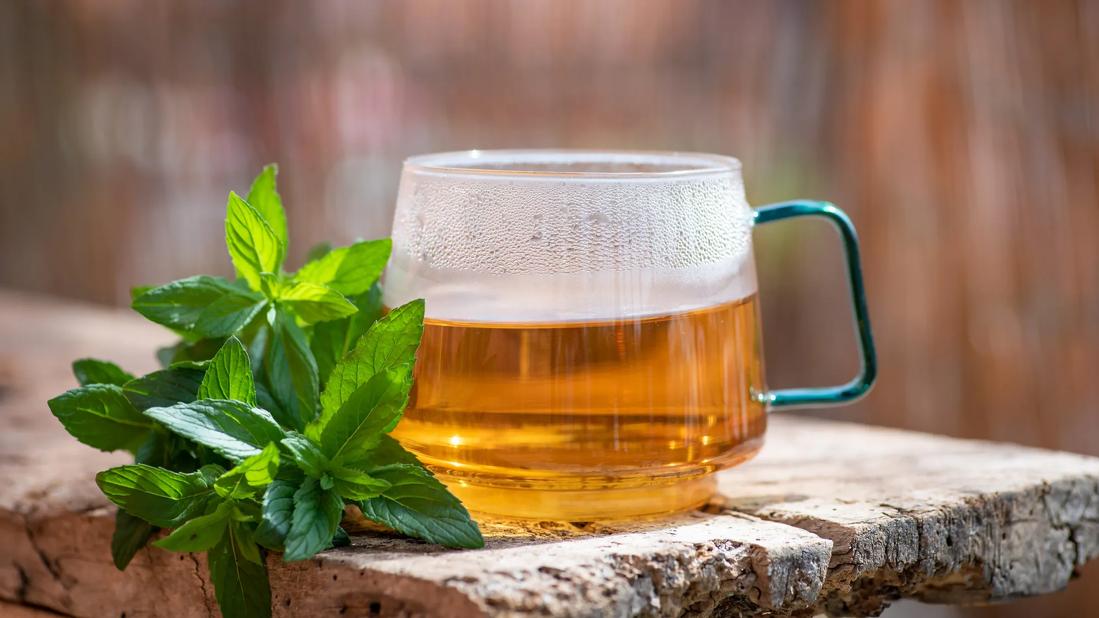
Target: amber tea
560	406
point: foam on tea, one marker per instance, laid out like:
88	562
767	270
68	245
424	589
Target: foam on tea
591	344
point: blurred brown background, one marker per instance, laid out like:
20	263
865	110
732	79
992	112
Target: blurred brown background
962	138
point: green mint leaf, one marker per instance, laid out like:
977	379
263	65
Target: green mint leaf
328	344
167	355
256	336
316	516
387	451
199	365
253	245
332	339
160	497
130	535
247	478
100	416
391	341
240	584
229	375
369	412
306	454
264	197
341	538
356	485
349	270
313	303
318	251
138	290
418	505
179	304
265	400
278	508
200	533
245	538
197	352
291	372
93	371
232	429
164	450
227	315
203	305
272	285
164	388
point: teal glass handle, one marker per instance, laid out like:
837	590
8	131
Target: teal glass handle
861	384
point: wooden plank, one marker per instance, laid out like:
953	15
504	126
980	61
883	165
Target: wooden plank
831	517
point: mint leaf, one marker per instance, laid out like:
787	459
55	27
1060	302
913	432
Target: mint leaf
227	315
200	533
253	245
130	535
255	337
264	197
332	339
313	303
341	539
306	454
318	251
349	270
138	290
160	497
316	516
244	536
387	451
265	400
179	304
156	450
240	584
164	387
278	508
368	413
418	505
229	375
189	352
229	428
248	477
198	365
355	485
100	416
203	305
328	344
93	371
391	341
272	285
291	372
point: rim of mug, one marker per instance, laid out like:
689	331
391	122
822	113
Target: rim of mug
462	162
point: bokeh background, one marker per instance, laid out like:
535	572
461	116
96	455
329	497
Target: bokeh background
961	136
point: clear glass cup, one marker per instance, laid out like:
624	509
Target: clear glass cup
592	340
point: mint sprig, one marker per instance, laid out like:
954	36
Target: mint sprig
270	416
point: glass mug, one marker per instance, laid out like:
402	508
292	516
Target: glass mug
591	346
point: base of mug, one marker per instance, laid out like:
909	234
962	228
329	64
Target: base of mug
584	504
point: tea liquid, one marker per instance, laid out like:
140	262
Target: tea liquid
630	404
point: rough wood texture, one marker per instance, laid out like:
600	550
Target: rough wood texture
831	517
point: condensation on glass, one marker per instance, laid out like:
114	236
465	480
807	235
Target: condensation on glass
591	348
